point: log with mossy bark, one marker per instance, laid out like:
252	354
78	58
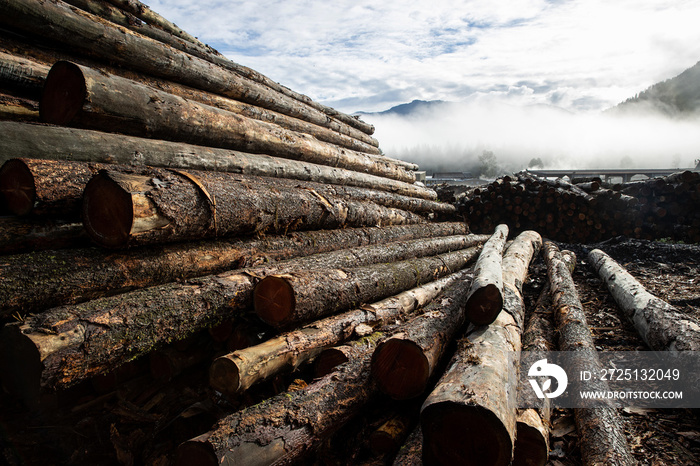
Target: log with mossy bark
80	96
62	25
660	325
299	296
601	431
68	344
464	400
24	140
239	370
43	279
284	428
485	298
120	209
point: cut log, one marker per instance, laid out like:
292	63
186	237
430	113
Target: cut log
23	75
58	23
389	437
78	95
121	209
660	325
45	187
237	371
485	298
20	235
410	453
602	436
46	142
18	108
73	343
53	278
464	399
284	428
300	296
403	364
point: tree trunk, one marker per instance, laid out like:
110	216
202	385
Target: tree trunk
20	235
303	295
59	143
53	278
602	437
403	364
82	33
78	95
464	400
45	187
660	325
284	428
411	451
22	75
122	210
485	298
69	344
237	371
18	108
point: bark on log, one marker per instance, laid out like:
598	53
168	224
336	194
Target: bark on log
411	451
122	210
20	235
485	298
53	278
389	437
45	187
464	399
237	371
661	326
286	299
72	343
18	108
48	142
61	24
78	95
602	437
284	428
23	75
403	364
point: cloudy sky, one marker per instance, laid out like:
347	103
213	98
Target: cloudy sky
582	56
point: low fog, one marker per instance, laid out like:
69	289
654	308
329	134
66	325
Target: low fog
455	136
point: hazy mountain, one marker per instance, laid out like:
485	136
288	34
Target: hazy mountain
677	97
409	108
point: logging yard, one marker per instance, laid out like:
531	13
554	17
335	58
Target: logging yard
200	266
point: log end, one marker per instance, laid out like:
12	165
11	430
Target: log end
107	212
20	366
273	299
224	375
63	95
484	305
455	433
531	447
17	187
196	453
400	368
328	360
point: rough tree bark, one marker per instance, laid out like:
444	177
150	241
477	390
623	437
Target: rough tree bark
485	298
464	399
298	296
72	343
49	142
237	371
602	437
660	325
41	280
284	428
120	209
22	74
20	235
78	95
411	452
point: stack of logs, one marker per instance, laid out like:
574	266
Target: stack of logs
586	212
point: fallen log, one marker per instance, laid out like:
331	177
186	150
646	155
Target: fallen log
122	210
68	344
237	371
282	300
485	298
23	75
21	235
403	364
23	140
659	324
602	437
464	400
53	278
284	428
58	23
78	95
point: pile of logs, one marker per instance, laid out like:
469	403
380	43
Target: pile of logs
586	212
